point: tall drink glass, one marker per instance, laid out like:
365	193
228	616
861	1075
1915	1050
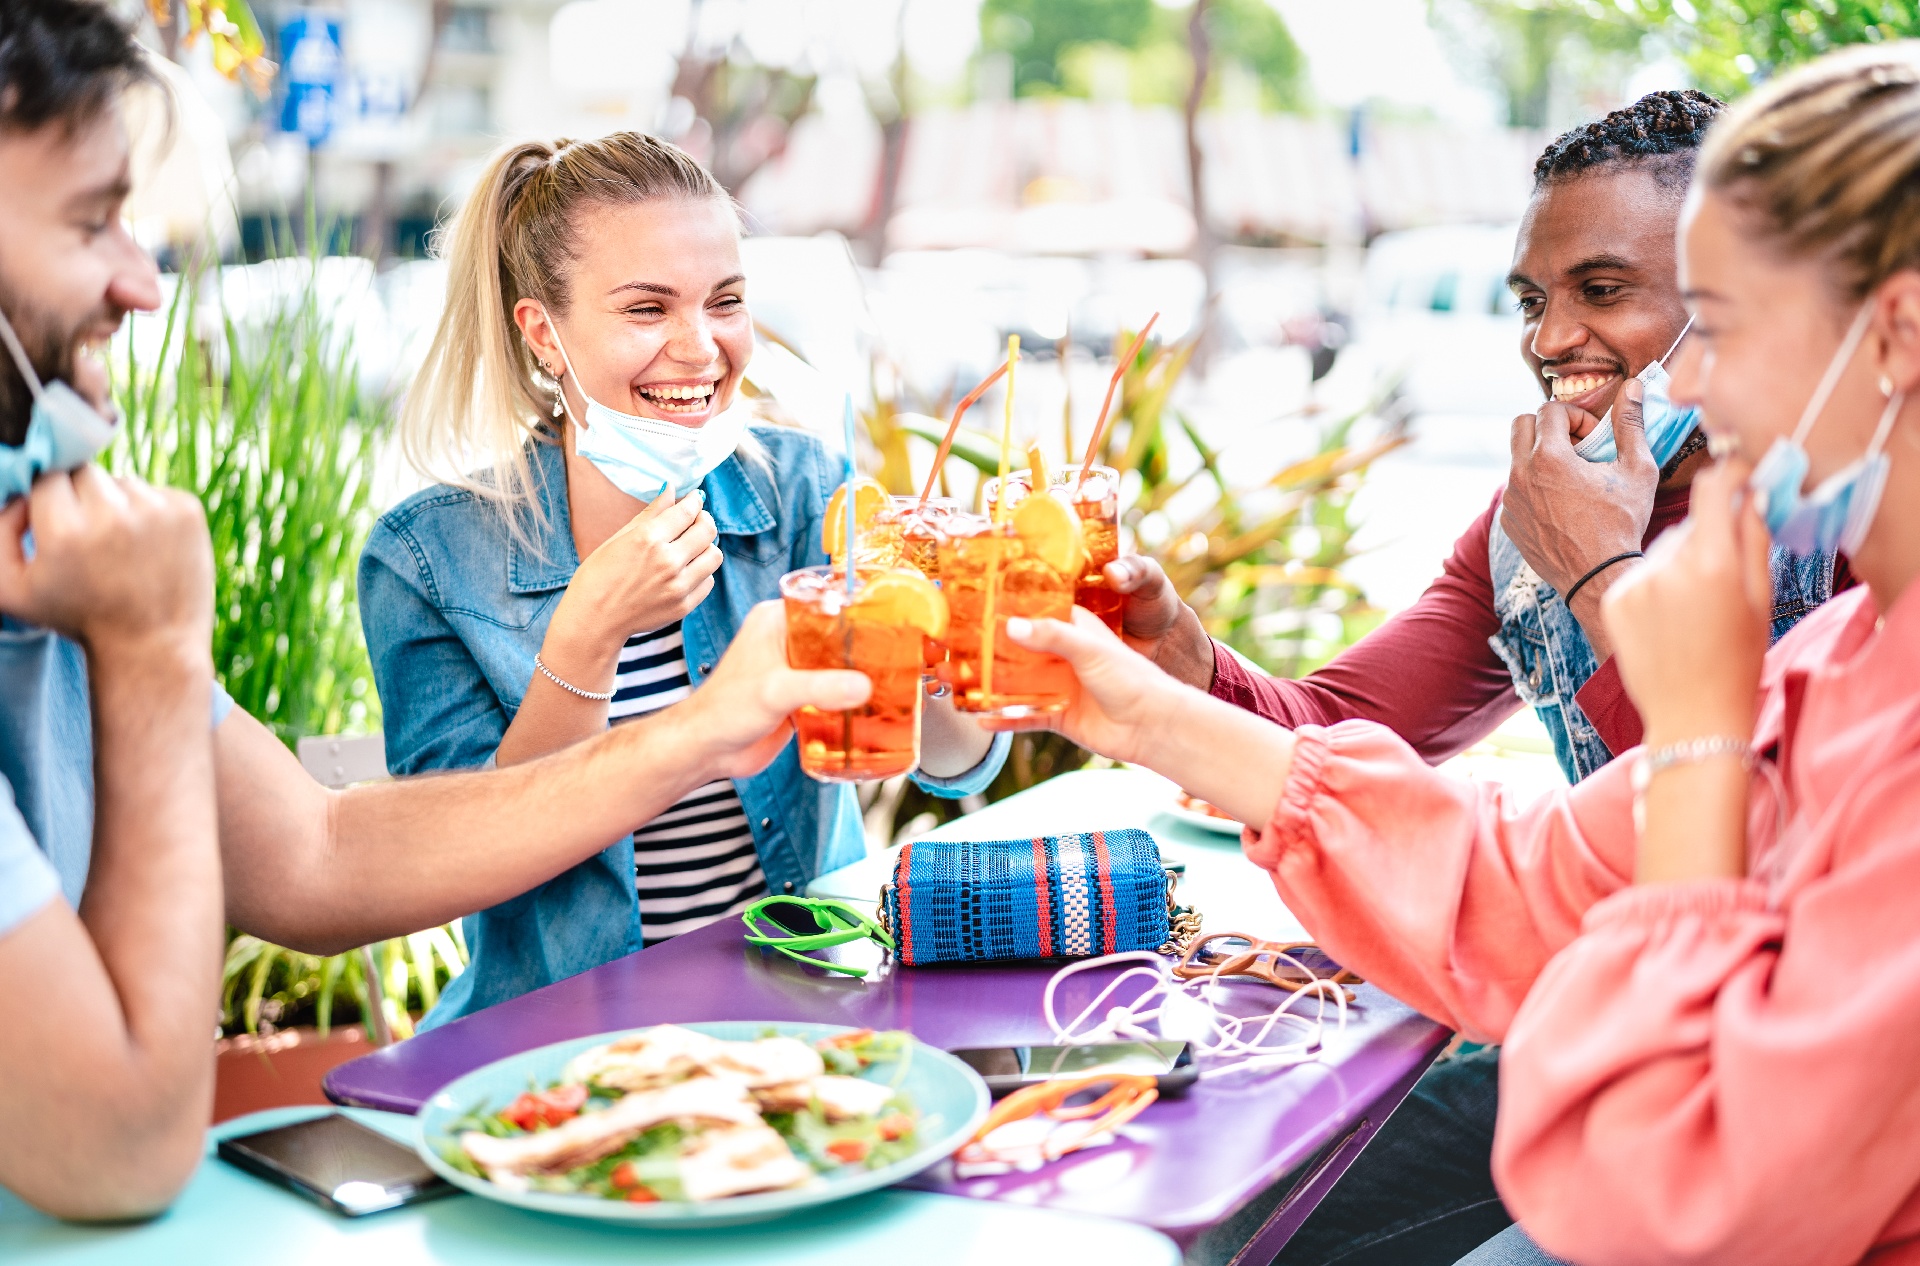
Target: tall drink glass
1097	503
918	527
880	633
989	573
908	533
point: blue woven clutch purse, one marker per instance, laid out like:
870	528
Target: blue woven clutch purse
1055	896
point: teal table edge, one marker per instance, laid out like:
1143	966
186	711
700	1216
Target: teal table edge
227	1215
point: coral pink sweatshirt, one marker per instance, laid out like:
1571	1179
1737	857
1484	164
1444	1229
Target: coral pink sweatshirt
1720	1070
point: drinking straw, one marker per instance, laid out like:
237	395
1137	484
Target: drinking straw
846	616
852	519
1063	350
953	429
1006	432
999	520
1113	384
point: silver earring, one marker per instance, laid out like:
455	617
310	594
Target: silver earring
1886	386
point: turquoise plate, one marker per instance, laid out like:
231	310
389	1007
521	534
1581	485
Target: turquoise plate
950	1096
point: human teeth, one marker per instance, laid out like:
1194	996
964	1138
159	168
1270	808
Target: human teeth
694	393
1577	385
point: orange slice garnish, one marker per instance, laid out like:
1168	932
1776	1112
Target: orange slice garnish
904	598
1051	533
1036	469
869	499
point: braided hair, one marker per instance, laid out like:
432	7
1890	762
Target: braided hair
1662	130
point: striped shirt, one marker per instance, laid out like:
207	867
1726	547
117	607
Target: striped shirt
696	862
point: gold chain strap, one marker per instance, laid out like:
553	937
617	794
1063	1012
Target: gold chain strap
1183	922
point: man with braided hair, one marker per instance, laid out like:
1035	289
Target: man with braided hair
1593	278
1595	282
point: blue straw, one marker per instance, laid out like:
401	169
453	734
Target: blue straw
851	518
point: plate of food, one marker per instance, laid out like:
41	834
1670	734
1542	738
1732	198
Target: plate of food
701	1124
1194	811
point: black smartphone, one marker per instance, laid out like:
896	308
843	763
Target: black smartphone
335	1161
1007	1068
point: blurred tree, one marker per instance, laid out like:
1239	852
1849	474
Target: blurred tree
889	103
742	113
1250	34
1730	46
1035	33
1534	49
1079	48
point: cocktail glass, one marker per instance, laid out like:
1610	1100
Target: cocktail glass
990	572
913	529
1097	503
881	632
908	533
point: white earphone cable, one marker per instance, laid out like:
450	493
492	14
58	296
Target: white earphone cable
1226	1042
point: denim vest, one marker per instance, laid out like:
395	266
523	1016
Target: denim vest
1548	655
455	607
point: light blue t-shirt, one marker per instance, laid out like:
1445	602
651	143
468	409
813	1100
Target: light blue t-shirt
46	769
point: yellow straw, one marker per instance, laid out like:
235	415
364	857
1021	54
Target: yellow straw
999	520
1006	431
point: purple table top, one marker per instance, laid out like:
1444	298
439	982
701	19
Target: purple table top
1183	1166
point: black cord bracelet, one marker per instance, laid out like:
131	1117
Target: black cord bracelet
1597	569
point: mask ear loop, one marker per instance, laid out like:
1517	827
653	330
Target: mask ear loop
1675	345
568	362
1871	477
1831	378
20	360
1895	401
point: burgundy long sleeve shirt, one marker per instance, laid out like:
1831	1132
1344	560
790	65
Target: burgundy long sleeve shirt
1429	674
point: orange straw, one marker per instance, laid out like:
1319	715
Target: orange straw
953	428
1113	385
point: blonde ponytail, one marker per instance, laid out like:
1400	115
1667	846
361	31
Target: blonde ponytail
1825	162
479	399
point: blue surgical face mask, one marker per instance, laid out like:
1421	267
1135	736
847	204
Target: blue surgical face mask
1837	514
645	456
1667	426
63	432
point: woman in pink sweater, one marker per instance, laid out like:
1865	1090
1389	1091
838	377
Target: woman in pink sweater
1712	1019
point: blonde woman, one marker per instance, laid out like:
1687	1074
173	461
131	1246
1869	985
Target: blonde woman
626	516
1701	960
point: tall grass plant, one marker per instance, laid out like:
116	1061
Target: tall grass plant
265	421
262	415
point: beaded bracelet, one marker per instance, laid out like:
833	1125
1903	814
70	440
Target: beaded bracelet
561	682
1687	752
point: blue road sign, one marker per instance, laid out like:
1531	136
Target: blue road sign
312	68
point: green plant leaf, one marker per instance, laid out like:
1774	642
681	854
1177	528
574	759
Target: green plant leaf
982	452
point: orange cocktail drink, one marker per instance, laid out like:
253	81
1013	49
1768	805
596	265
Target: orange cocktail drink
916	528
890	532
990	573
881	631
1096	502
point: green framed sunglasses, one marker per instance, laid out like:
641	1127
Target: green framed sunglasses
793	925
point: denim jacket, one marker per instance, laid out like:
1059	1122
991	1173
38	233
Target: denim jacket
1548	655
455	608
